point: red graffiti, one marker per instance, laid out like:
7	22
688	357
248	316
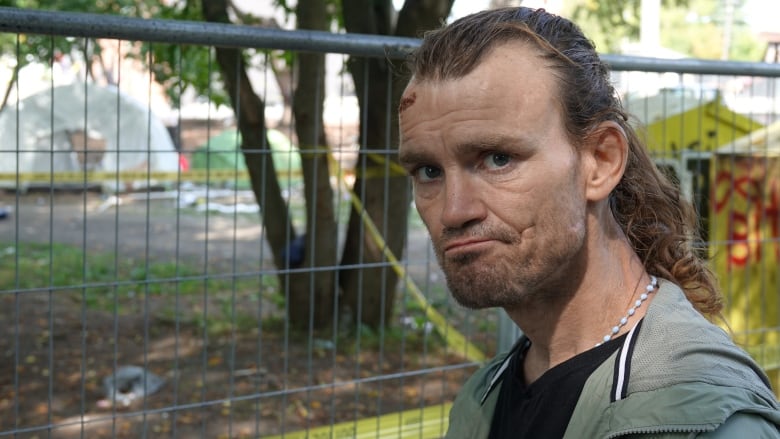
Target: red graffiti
750	197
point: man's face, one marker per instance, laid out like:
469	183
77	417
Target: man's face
496	180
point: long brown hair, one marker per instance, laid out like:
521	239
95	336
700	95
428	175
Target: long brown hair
660	224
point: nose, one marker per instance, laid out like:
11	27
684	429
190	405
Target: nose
463	205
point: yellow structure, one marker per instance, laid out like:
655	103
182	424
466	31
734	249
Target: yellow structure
729	166
675	122
745	235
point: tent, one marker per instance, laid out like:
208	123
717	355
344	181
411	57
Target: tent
222	153
81	127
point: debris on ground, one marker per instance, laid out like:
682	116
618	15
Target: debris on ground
128	384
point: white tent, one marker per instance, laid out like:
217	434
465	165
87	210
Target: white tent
81	127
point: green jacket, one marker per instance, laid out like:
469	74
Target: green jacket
676	376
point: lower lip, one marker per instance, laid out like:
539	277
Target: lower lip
468	248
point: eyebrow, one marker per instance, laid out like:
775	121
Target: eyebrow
414	156
408	158
492	142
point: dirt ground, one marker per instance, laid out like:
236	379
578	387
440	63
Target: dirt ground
56	351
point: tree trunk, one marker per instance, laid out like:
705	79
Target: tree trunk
251	124
313	292
370	292
384	193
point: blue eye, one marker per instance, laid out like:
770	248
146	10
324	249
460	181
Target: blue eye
496	160
426	173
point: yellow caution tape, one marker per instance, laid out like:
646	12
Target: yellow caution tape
426	423
429	422
196	176
102	176
395	168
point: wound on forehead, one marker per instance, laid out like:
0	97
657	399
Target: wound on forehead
407	101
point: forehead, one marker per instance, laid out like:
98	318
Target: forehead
511	89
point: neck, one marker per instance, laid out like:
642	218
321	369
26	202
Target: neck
578	320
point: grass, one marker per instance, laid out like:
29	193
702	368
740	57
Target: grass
60	266
105	281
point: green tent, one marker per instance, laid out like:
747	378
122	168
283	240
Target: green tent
222	153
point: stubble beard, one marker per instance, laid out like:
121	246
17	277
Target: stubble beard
479	282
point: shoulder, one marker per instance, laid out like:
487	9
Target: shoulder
676	344
679	370
691	373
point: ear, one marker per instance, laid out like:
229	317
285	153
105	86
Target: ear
606	150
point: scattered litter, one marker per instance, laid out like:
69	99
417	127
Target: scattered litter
228	208
127	384
109	202
187	199
321	343
188	196
252	372
413	324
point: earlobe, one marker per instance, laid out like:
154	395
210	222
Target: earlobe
607	146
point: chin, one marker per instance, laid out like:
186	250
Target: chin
472	303
490	286
482	302
476	292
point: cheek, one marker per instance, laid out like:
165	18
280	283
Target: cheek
546	208
519	208
425	193
426	208
429	196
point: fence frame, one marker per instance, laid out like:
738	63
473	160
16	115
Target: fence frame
72	24
77	24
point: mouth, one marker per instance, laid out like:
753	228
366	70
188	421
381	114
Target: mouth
466	245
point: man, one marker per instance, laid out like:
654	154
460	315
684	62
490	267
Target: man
540	199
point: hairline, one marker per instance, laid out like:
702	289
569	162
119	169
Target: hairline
538	47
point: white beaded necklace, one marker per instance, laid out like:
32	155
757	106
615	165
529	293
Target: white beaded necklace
631	311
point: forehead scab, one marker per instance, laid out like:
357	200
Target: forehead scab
407	101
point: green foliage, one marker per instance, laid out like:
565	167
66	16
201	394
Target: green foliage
335	14
28	48
284	4
173	66
698	31
610	23
746	47
177	67
691	27
137	8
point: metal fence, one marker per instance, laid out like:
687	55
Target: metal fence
140	295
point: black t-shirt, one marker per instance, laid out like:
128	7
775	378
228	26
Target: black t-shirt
543	408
